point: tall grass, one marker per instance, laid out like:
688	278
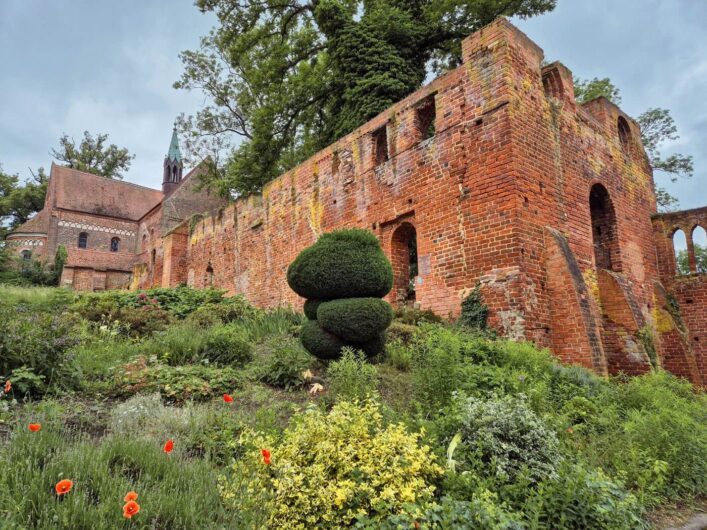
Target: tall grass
41	297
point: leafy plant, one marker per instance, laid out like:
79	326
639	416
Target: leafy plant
352	377
286	363
474	313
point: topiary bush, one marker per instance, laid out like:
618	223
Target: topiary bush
343	276
341	264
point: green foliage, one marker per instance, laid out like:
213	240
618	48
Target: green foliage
355	320
351	377
289	78
18	202
227	310
474	313
59	260
399	355
586	90
504	439
176	384
312	483
320	343
580	498
286	364
341	264
683	261
413	316
102	473
93	156
38	344
310	308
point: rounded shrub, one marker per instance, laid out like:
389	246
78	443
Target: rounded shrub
372	347
355	319
341	264
310	308
227	345
320	343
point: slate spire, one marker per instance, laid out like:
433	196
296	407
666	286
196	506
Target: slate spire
173	166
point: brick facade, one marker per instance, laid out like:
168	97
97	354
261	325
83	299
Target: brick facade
492	174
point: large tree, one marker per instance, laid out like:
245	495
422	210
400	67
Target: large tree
657	127
92	155
285	78
19	201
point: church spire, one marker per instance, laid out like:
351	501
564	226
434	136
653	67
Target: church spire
172	165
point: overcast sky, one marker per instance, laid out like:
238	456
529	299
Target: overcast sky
106	66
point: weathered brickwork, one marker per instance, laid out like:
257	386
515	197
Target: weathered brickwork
491	175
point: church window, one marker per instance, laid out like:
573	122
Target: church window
624	132
83	240
425	117
380	144
115	244
26	255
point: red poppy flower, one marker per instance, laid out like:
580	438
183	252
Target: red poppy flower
417	525
130	496
266	456
63	486
228	398
34	427
8	386
130	509
168	447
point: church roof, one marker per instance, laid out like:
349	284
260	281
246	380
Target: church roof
35	225
84	192
174	153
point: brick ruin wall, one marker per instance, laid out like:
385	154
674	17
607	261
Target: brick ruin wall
545	202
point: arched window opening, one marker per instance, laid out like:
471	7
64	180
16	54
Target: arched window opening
144	242
153	257
83	240
624	132
174	174
115	244
699	246
404	261
26	255
209	275
607	254
682	262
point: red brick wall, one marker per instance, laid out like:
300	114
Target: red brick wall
499	195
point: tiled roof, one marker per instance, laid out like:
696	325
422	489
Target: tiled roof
84	192
35	225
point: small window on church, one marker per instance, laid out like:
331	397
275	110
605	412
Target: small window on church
26	255
115	244
83	240
174	174
380	145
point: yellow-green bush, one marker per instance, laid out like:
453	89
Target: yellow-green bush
331	469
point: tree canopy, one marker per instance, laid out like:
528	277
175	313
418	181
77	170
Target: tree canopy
657	127
284	79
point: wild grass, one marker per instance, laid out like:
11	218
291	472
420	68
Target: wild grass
43	297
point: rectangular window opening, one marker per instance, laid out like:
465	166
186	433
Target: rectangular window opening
425	116
380	141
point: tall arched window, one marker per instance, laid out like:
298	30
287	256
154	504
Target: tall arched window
209	276
404	261
624	132
83	240
604	233
115	244
682	262
699	246
144	242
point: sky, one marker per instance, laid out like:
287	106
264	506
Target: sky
106	66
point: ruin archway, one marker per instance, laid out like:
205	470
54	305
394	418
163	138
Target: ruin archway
605	236
404	261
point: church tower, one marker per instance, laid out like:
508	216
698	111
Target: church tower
172	165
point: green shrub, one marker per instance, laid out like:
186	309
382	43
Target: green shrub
351	377
38	343
270	322
399	355
401	332
503	438
286	363
175	383
320	343
227	345
579	499
341	264
355	320
310	308
474	313
330	470
413	316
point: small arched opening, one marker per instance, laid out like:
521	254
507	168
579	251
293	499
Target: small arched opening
699	249
144	243
26	255
209	275
174	173
404	261
624	132
115	244
83	240
607	253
